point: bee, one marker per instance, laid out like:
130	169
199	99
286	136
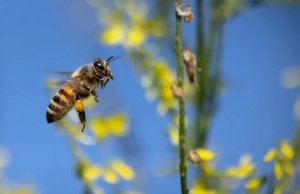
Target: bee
83	83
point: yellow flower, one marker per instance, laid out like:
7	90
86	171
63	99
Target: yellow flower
135	37
113	35
115	125
278	170
91	173
200	188
244	169
270	155
166	93
204	154
288	168
123	170
110	176
254	183
278	189
208	169
174	136
286	150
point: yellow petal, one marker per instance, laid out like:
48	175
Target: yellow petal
123	170
117	125
174	136
270	155
200	188
253	184
91	173
136	36
205	154
278	170
244	169
288	168
113	35
286	150
278	189
110	176
245	160
99	127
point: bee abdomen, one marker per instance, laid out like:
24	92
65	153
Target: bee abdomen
61	103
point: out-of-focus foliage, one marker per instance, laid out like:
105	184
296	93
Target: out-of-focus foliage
140	31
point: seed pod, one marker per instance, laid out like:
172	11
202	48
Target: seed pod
190	16
187	13
176	90
190	61
193	156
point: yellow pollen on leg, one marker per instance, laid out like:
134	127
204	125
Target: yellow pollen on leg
79	105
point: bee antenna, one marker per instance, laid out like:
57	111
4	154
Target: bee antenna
112	58
109	58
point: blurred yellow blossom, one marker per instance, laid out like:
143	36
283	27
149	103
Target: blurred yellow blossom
87	171
110	176
278	170
91	173
200	188
286	150
129	25
174	135
270	155
278	189
123	170
157	83
208	169
103	127
113	35
244	169
255	183
282	157
205	154
288	168
136	36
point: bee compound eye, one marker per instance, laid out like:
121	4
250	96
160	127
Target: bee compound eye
99	66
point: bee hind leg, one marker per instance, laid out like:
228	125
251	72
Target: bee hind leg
94	93
80	109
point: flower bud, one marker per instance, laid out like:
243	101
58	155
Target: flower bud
190	61
176	90
193	156
187	13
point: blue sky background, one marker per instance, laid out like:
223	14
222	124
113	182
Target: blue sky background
37	37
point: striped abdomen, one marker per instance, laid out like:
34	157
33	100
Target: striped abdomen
61	103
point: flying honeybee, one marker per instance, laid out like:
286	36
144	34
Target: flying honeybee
84	81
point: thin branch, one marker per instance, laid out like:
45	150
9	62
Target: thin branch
181	148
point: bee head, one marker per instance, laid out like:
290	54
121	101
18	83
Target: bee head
102	67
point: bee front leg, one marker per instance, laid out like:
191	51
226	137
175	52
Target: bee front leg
94	93
102	84
80	109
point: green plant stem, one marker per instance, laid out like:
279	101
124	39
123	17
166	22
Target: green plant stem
182	142
201	126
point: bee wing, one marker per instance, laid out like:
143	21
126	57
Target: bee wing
64	73
54	83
